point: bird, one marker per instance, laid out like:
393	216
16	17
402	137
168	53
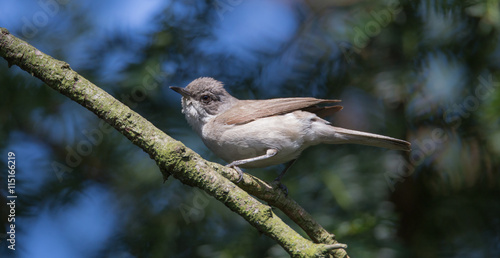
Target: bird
262	133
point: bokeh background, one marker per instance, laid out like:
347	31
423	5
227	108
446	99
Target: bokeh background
425	71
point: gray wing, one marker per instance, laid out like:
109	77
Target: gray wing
249	110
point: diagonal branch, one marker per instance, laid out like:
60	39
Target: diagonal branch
173	158
274	197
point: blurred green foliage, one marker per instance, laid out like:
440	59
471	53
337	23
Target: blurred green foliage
426	71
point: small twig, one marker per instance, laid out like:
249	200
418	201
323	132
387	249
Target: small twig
276	198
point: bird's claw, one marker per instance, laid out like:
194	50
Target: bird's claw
277	183
240	173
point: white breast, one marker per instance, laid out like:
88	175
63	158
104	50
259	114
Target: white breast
290	134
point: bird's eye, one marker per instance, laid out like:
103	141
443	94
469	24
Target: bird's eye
206	99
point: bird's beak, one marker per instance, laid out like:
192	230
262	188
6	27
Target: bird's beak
181	91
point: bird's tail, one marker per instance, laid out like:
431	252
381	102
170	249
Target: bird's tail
344	136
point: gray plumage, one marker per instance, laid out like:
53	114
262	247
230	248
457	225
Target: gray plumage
260	133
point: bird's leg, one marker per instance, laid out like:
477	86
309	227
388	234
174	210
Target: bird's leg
288	165
236	163
278	179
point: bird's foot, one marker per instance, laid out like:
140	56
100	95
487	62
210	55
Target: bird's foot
277	184
240	172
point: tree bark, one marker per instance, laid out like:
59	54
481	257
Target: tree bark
173	158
